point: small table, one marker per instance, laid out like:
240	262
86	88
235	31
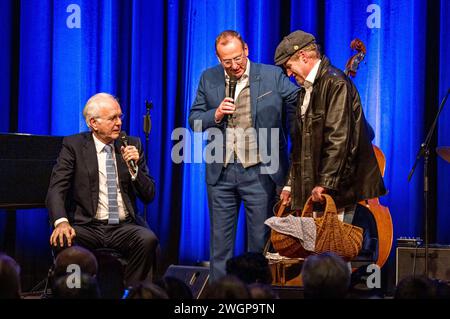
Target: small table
286	271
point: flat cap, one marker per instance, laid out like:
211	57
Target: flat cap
290	44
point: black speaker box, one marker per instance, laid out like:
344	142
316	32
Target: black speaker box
194	276
411	261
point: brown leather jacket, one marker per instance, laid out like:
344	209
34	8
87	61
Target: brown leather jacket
331	146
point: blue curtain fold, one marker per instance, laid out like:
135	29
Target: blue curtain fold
443	186
6	25
156	50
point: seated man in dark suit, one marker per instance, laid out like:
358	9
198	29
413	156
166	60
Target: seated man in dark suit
93	188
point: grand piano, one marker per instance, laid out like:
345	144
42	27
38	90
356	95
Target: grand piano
26	163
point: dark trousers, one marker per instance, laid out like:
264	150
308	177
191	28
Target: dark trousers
136	243
238	184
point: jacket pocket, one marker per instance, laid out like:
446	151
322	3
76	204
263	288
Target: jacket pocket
263	95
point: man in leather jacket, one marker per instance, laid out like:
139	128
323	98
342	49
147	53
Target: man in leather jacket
332	151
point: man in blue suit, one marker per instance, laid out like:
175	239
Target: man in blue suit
244	106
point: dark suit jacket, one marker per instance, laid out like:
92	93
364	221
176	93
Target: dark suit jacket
74	185
270	89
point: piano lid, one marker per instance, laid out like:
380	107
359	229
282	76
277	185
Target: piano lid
26	163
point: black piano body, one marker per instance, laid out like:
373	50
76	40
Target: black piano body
26	163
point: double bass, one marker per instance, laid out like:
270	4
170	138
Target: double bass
380	213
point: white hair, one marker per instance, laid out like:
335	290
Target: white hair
93	105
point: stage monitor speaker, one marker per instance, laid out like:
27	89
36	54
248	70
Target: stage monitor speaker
411	261
194	276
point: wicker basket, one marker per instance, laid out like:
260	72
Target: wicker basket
287	245
331	234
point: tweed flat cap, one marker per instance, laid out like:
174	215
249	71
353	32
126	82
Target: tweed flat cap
292	43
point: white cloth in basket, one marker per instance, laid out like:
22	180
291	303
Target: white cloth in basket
303	228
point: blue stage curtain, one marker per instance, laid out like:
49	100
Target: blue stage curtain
156	50
6	25
443	187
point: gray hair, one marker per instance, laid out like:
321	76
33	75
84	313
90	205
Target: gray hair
93	105
312	51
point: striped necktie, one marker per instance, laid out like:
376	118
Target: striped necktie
112	187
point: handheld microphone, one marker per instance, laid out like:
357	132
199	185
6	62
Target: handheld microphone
124	139
232	87
231	91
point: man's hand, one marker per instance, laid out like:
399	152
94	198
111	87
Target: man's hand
317	193
226	107
285	196
130	153
62	230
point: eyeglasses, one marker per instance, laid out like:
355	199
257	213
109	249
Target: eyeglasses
229	62
113	118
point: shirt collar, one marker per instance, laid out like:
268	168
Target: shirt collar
309	81
99	145
243	77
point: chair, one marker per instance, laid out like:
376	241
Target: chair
111	272
369	252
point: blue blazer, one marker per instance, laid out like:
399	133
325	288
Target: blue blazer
273	102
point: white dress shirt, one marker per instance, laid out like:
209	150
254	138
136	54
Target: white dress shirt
308	85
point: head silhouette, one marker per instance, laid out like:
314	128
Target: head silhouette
9	277
76	255
250	268
325	276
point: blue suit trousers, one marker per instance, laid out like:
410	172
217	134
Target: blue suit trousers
237	184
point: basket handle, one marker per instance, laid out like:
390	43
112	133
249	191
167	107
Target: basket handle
278	213
330	206
281	208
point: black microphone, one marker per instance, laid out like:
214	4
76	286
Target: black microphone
232	87
231	91
124	139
